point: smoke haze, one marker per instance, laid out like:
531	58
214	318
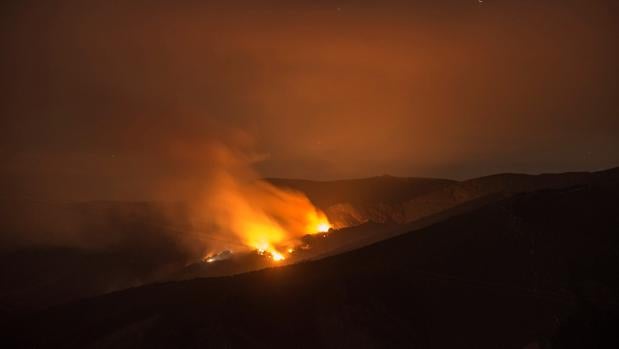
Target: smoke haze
99	97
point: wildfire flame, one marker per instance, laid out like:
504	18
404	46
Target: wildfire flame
254	213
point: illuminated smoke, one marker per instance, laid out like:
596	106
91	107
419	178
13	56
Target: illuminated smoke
245	212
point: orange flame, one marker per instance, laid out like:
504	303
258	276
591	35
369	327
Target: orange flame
243	210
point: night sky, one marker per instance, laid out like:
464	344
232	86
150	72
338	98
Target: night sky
110	99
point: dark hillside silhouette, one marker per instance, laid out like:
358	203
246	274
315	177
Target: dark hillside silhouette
505	275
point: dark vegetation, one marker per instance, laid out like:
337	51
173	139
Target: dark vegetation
537	269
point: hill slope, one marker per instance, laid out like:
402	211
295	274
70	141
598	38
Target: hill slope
501	276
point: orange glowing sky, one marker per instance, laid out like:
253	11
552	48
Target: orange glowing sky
109	99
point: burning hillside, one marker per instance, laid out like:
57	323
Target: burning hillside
240	212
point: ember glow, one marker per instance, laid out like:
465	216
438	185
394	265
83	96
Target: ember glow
217	257
277	256
324	227
271	253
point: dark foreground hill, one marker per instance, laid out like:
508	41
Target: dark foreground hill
538	267
110	246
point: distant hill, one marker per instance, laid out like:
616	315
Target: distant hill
402	200
524	269
356	201
387	189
